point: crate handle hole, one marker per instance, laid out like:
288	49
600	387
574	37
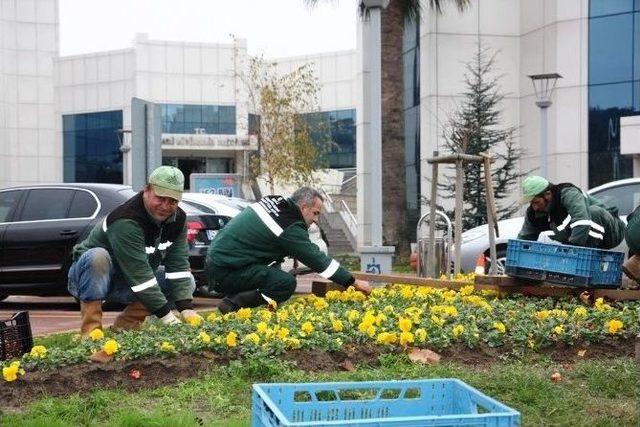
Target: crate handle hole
302	396
412	393
358	394
390	393
326	395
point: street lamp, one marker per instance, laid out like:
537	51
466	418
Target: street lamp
543	85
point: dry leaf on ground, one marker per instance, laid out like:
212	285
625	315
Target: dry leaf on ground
423	355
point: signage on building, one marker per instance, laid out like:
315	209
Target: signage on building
224	184
204	141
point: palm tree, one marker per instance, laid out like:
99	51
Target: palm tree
394	199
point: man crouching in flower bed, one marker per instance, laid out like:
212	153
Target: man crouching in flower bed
119	259
242	259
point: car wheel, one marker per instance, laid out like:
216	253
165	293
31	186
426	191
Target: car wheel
501	261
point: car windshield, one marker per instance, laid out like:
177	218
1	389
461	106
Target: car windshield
625	197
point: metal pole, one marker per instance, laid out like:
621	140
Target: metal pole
458	214
544	106
431	253
376	127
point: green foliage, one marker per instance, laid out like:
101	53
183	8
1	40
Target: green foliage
476	128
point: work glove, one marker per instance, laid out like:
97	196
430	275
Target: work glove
191	317
170	319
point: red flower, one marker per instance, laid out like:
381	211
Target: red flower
134	374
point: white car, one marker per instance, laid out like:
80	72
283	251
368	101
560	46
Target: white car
624	194
216	204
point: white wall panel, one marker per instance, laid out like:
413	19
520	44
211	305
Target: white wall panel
27	62
27	89
26	36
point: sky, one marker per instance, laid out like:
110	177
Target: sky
275	28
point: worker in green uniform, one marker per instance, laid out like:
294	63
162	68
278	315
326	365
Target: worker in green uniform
119	261
242	261
631	266
573	217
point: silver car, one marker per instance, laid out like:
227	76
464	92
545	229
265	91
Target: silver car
624	194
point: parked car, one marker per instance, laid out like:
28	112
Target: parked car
624	194
215	203
39	224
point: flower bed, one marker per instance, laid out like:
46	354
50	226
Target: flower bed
394	316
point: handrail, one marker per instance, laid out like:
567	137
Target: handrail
328	201
348	180
353	222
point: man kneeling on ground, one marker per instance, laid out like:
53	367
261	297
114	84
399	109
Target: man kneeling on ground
243	258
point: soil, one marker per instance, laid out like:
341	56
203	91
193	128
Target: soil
157	372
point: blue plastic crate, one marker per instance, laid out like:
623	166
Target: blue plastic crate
564	264
436	402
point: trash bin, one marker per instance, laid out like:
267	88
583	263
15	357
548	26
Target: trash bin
442	247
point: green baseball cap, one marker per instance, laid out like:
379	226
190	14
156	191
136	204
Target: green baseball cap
167	181
532	186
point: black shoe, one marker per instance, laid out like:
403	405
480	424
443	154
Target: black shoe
227	306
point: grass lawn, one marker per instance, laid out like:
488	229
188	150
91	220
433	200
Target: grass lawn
591	393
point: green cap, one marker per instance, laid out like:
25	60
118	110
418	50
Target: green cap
167	181
532	186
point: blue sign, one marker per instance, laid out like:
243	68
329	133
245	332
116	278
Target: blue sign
224	184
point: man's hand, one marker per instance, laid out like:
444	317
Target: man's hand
362	286
191	317
170	319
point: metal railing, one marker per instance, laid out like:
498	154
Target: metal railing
328	201
349	219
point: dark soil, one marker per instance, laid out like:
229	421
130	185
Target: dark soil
157	372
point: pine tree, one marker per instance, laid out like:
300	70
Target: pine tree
475	128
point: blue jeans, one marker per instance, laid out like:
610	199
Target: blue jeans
92	278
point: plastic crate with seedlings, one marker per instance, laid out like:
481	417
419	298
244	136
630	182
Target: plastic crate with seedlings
15	336
564	264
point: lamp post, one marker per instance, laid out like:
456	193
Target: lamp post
543	85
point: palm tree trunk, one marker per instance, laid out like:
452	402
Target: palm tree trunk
394	198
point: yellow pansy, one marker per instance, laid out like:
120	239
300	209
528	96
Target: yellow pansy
406	293
283	333
10	373
337	325
386	338
580	312
38	351
558	330
421	335
600	305
204	337
500	327
404	324
457	330
353	315
213	316
111	347
253	337
614	326
167	346
437	320
292	343
96	334
320	304
307	328
232	339
262	327
406	338
243	313
542	314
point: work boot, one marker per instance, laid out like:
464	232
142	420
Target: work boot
241	300
91	313
131	317
631	268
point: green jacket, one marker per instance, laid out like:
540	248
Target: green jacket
570	219
268	231
138	245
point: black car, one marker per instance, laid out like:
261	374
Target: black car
39	224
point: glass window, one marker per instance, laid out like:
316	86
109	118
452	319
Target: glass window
603	97
610	49
606	7
50	203
92	148
83	205
624	197
8	203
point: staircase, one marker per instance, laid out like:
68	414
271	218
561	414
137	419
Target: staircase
339	243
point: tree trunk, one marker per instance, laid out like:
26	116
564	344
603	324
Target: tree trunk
394	197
